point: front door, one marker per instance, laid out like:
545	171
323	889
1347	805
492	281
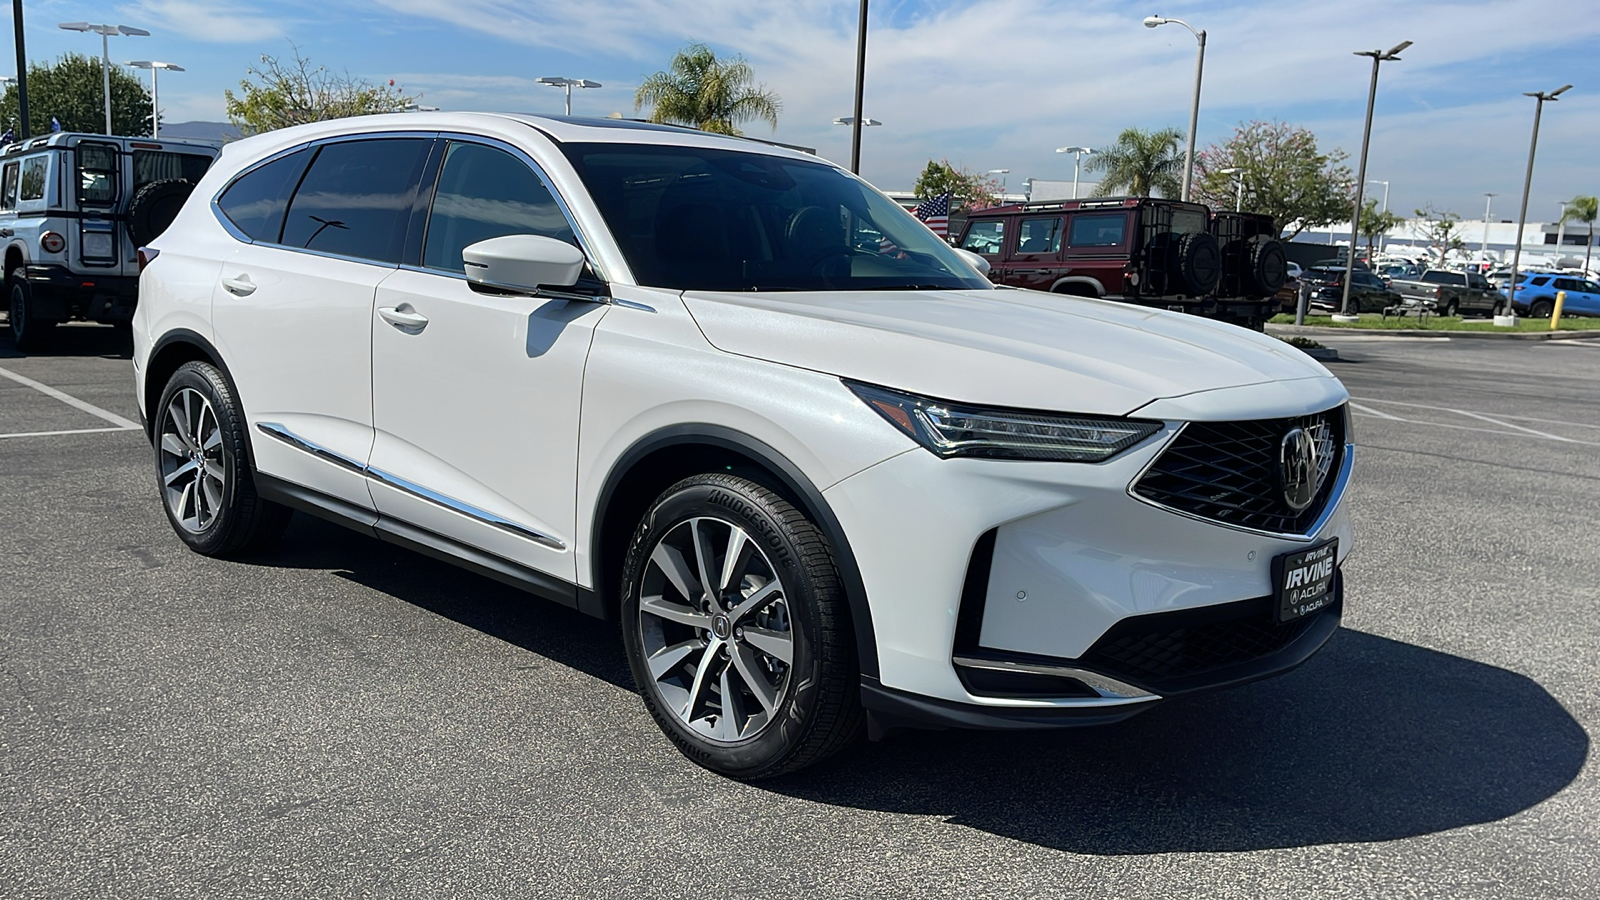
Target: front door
987	238
1035	260
476	393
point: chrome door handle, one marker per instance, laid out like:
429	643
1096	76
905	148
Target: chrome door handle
405	319
239	287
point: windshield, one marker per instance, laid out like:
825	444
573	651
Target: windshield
695	218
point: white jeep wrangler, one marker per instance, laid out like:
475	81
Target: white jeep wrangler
74	210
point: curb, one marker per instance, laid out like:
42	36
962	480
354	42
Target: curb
1321	331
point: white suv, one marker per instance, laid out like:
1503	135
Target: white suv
827	477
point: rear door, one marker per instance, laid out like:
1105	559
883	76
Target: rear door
1097	248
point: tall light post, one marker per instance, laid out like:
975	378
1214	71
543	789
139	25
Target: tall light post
851	120
1378	58
569	84
1238	198
1077	162
1002	173
1385	191
105	32
1510	318
1488	201
1194	108
155	68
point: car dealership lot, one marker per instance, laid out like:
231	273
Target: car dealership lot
345	718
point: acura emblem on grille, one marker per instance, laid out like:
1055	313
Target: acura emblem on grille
1298	469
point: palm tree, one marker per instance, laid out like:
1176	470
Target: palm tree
704	92
1586	210
1140	163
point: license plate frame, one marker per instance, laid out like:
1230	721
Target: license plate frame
1312	570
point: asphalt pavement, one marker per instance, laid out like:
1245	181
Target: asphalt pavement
342	718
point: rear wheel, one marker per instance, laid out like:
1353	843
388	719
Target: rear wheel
1541	309
203	469
1451	307
28	331
737	630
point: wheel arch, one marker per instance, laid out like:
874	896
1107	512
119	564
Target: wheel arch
16	257
175	348
1066	285
663	457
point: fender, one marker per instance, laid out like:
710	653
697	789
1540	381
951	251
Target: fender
1100	289
184	336
795	484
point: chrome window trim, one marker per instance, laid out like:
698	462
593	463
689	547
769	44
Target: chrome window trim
1340	483
1112	692
275	430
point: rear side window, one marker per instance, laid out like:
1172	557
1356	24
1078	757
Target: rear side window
985	237
8	187
162	165
33	178
356	198
1039	236
255	203
486	193
1098	231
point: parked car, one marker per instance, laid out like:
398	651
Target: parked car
652	374
1152	252
1367	291
1451	293
1254	268
1536	295
73	210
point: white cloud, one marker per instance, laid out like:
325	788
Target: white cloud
214	21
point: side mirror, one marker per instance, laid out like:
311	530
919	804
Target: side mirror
974	260
522	262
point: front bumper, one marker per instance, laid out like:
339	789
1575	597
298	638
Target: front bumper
1073	558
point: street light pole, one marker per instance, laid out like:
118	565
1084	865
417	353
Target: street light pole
1238	173
22	71
1378	57
568	83
1077	162
155	68
856	121
1510	318
105	32
1194	108
1488	201
1002	173
1385	191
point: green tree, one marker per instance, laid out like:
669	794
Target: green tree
1375	222
1285	176
1443	231
283	93
72	89
707	93
965	188
1140	164
1583	209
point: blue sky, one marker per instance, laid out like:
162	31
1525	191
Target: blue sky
987	83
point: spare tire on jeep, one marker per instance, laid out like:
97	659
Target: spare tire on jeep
1197	264
1266	265
154	206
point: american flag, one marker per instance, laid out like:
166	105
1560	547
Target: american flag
935	213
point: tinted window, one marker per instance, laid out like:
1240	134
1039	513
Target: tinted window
1443	278
33	178
1187	221
97	174
1039	236
356	197
8	187
985	237
485	193
161	165
1099	231
1567	284
255	203
1541	281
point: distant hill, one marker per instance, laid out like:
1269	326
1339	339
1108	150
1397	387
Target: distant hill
204	131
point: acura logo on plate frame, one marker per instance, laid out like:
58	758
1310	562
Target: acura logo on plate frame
1298	469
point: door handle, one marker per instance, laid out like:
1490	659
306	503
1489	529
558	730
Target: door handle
241	286
404	318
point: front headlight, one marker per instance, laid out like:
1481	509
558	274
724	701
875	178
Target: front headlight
958	429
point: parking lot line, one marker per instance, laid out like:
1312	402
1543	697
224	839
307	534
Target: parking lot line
23	434
106	414
1516	430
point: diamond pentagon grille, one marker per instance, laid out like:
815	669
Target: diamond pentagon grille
1228	471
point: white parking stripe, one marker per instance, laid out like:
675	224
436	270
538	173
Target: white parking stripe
1464	412
121	423
1372	412
1517	430
1554	437
20	434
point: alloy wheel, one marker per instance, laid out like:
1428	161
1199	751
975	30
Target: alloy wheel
715	628
193	471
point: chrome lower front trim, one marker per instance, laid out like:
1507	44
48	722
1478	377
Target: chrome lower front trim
278	432
1112	692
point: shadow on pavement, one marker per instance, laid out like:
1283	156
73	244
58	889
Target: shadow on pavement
1371	740
74	339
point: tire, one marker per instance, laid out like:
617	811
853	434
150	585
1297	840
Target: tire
766	682
29	332
1267	264
1540	309
1199	263
153	208
1451	308
202	467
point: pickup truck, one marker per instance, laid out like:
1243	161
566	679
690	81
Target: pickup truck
1448	293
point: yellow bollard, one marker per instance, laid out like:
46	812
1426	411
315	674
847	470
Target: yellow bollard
1555	314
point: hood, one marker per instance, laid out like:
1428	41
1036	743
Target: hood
1022	349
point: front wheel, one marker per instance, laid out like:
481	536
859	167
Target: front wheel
737	629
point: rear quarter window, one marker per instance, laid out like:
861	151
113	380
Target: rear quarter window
33	170
256	201
1098	230
164	165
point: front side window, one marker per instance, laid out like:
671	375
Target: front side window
1039	236
256	201
1099	230
33	178
486	193
701	218
985	237
8	187
356	198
